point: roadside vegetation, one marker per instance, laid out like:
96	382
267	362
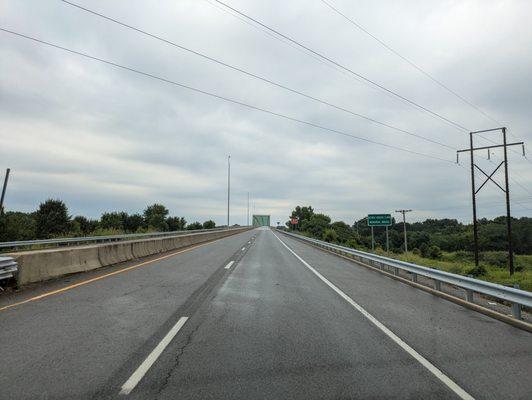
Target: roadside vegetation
52	220
444	244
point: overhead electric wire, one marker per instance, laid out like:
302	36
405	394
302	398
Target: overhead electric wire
214	95
255	76
367	80
421	70
389	48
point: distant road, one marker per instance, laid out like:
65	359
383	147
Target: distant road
254	315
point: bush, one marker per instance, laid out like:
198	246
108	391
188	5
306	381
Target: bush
424	250
210	224
477	271
194	226
434	252
496	258
416	251
330	235
353	244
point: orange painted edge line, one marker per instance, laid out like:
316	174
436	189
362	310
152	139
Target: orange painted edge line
82	283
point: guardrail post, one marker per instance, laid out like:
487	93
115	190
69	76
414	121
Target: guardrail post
437	285
516	307
396	271
469	292
414	278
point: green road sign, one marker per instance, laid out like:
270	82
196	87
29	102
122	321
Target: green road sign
261	220
379	219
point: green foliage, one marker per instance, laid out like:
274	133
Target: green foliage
330	236
497	258
303	214
210	224
86	226
113	220
194	226
132	223
316	225
17	226
477	271
344	231
155	217
52	219
176	223
434	252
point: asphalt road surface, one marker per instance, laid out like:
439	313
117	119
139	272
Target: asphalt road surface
255	315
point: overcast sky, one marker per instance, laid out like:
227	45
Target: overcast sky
105	139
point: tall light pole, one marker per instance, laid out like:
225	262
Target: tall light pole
248	208
228	186
404	226
4	192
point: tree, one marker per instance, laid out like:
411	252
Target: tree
330	235
86	226
343	231
52	219
434	252
155	217
210	224
17	226
302	214
316	225
113	220
194	226
176	223
132	223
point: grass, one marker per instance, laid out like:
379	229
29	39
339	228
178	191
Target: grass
459	263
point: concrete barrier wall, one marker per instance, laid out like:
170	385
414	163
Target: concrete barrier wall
41	265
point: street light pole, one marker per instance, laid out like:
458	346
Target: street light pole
248	209
4	192
404	226
228	186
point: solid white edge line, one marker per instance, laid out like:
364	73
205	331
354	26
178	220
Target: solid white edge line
422	360
152	357
243	248
229	264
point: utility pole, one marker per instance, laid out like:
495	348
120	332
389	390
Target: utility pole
228	186
404	226
248	208
387	241
4	192
506	188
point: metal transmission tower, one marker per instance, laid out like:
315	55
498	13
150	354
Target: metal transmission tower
404	226
4	192
506	188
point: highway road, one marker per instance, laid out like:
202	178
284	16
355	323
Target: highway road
255	315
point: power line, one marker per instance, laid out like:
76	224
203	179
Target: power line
210	94
367	80
255	76
346	69
441	84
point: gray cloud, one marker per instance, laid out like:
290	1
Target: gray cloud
105	139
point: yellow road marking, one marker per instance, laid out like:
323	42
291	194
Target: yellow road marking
75	285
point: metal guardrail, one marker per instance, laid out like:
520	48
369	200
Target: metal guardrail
8	267
96	239
515	296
